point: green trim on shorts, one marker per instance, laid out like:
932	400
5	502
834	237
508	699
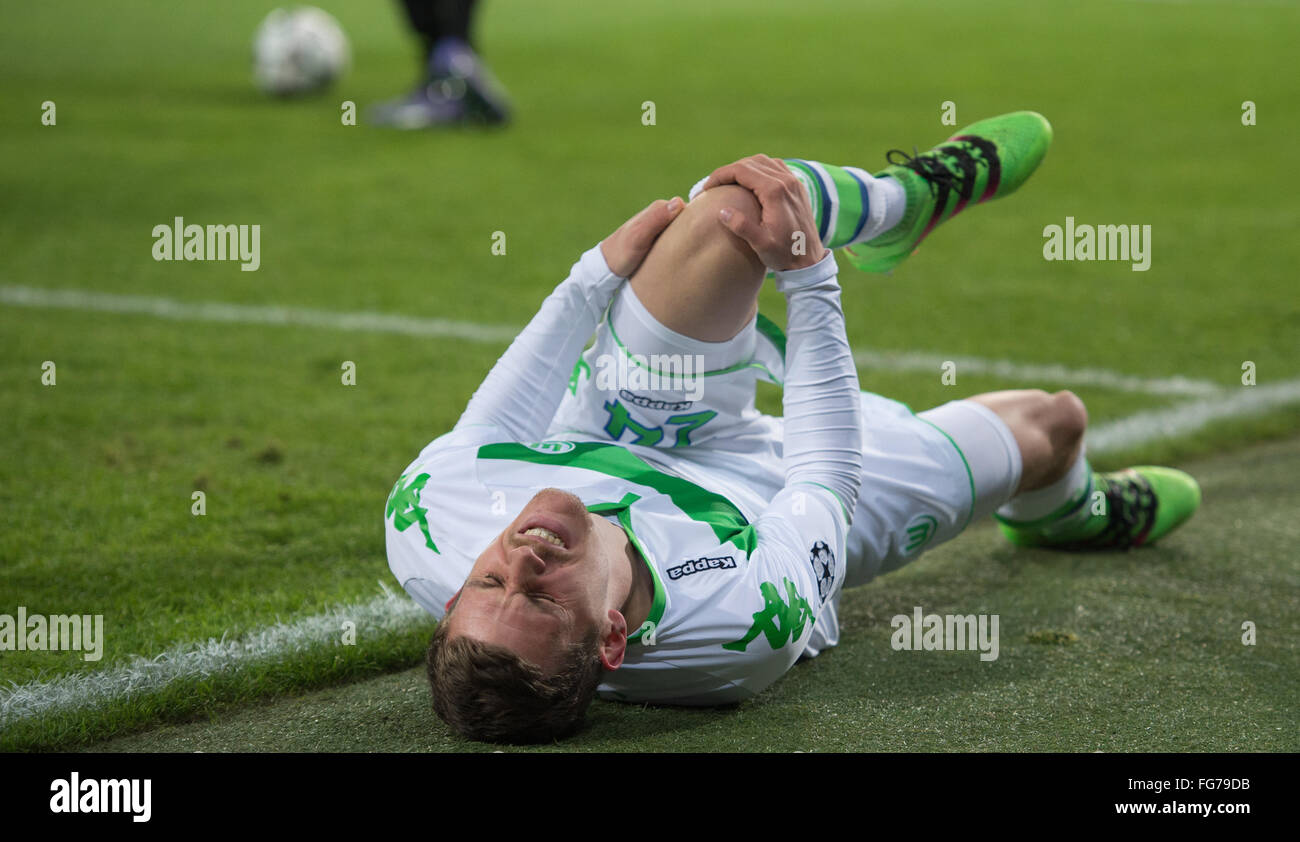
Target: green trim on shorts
609	321
970	475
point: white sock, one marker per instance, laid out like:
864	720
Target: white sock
1060	496
886	195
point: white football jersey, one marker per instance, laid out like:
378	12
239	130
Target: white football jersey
743	585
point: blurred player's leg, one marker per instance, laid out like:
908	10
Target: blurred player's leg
456	86
434	21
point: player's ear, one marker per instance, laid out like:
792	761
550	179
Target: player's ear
613	642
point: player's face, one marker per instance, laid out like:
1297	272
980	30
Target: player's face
541	584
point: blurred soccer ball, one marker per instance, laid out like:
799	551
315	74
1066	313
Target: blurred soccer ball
298	50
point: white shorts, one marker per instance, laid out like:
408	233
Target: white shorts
925	477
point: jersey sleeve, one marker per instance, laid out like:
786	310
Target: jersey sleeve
524	388
803	531
438	516
798	568
802	537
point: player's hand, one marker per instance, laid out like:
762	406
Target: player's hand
786	235
627	247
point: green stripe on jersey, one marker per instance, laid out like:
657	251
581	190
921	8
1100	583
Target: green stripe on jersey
728	523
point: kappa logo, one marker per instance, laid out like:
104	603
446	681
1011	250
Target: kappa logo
405	509
699	565
919	533
651	403
823	563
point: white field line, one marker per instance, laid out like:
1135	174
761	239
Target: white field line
1189	416
1033	373
213	311
388	612
392	612
216	311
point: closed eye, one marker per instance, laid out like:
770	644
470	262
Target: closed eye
491	580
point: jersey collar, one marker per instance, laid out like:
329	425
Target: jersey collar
623	511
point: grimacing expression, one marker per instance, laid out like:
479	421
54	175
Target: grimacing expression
542	584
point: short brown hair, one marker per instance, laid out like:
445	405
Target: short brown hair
486	692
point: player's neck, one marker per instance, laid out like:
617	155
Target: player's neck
631	585
641	593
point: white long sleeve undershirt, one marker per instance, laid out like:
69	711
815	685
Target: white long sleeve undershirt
523	390
822	401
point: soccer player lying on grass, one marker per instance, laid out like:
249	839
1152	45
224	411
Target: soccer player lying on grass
674	545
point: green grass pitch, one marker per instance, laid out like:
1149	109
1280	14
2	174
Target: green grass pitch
157	118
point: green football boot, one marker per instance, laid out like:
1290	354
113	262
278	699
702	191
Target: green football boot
986	160
1139	506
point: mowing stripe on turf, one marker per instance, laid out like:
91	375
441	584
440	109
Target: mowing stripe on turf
215	311
394	612
386	613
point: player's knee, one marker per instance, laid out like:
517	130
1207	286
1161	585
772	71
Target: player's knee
699	220
698	250
699	279
1064	420
1070	413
